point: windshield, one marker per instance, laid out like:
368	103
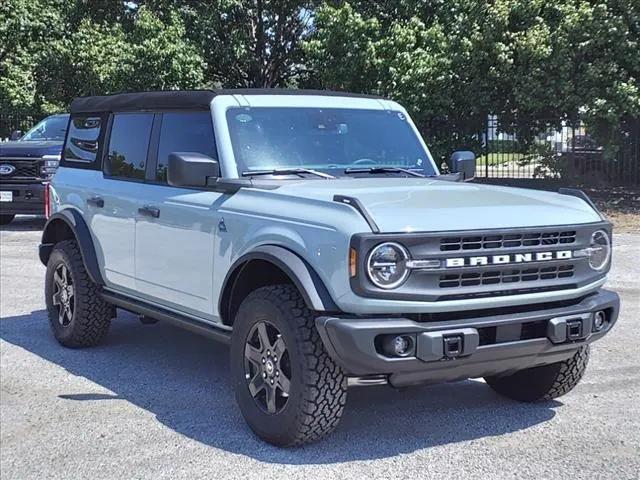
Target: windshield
328	140
51	128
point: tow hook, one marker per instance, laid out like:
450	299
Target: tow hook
447	344
452	346
571	328
574	330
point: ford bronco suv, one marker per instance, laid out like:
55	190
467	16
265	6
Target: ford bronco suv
313	232
26	163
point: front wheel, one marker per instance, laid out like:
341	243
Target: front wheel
289	390
545	382
78	315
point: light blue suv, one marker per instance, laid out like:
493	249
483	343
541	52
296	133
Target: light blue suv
313	232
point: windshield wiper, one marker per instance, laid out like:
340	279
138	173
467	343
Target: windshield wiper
374	170
287	171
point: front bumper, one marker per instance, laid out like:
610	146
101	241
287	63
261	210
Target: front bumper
28	199
490	344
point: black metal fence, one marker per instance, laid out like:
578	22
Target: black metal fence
559	150
540	149
10	122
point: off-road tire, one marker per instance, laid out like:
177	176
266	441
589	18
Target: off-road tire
318	390
91	314
545	382
6	219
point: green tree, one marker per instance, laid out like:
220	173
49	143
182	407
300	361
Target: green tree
453	62
246	43
401	58
604	39
160	56
90	60
87	48
25	28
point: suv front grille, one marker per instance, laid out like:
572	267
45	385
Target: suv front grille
509	240
511	275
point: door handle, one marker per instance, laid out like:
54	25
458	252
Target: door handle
149	211
96	202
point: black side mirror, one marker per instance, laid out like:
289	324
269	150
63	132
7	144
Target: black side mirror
16	135
190	169
464	163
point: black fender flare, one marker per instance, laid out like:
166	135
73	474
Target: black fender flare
73	219
304	277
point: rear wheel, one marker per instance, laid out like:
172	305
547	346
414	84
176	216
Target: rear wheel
78	315
289	390
545	382
6	219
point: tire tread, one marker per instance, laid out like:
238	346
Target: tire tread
543	383
569	375
92	314
324	393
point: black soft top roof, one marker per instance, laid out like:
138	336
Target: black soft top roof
181	99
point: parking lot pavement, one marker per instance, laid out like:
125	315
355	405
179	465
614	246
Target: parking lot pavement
156	402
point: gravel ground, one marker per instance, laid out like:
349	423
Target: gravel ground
155	402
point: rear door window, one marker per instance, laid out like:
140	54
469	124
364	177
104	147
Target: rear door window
128	145
184	132
82	140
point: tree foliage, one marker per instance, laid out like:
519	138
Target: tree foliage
246	43
24	27
52	51
451	62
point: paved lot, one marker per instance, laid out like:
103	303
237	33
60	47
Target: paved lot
155	402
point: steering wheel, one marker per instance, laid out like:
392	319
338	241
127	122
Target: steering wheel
365	161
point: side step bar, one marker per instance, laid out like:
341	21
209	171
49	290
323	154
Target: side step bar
181	321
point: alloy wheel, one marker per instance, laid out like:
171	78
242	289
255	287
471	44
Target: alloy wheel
267	367
63	294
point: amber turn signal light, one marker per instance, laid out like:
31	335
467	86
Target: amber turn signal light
353	261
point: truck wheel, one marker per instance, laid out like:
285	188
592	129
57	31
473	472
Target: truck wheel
78	315
289	390
6	219
545	382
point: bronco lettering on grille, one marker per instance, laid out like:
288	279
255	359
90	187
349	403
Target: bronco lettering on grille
507	259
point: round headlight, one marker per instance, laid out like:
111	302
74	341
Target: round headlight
599	250
386	265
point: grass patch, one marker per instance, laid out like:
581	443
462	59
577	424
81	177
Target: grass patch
495	158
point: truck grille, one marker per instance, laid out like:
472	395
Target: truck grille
511	275
463	265
509	240
24	169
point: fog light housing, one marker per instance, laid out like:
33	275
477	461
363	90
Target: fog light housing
399	345
599	321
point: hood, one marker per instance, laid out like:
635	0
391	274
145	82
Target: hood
421	205
30	149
